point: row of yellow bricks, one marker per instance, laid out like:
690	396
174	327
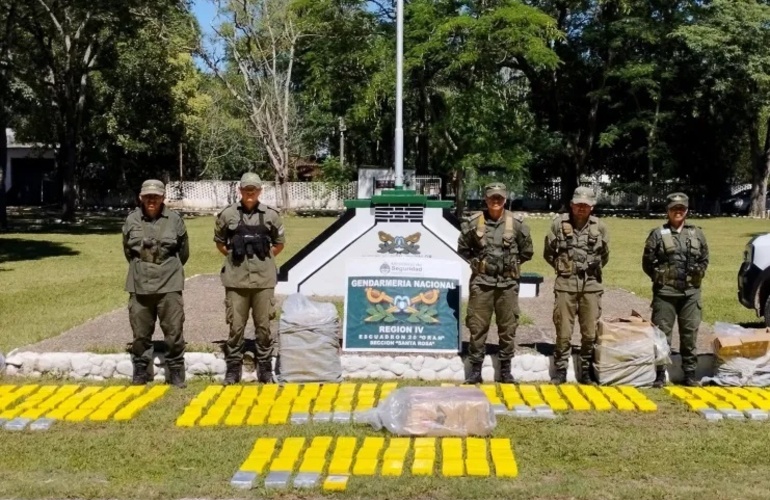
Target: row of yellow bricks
723	398
247	404
345	461
274	405
75	403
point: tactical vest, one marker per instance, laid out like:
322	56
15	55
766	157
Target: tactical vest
679	267
495	261
579	253
250	241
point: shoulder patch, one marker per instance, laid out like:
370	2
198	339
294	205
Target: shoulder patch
519	216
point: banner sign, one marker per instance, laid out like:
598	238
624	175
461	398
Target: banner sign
402	305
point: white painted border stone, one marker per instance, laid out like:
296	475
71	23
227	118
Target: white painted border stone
525	367
83	365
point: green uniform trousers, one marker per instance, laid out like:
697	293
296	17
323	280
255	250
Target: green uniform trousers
484	300
143	310
687	309
588	308
238	302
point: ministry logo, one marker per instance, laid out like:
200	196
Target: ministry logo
385	268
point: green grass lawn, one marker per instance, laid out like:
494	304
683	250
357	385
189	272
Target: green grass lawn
55	277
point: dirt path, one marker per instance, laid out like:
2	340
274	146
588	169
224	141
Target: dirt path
205	326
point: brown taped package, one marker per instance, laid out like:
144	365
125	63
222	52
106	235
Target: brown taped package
752	345
465	415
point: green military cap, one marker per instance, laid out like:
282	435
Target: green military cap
677	199
153	186
250	179
495	188
584	195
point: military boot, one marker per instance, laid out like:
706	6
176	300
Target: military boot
265	372
585	377
233	373
506	377
140	376
474	377
559	377
690	380
660	377
178	377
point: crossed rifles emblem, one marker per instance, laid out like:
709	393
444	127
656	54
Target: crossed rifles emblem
403	303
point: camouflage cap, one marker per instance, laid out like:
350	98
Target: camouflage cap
153	186
495	188
250	179
677	199
584	195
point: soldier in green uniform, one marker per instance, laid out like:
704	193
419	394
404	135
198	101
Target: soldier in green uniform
249	234
156	247
495	242
675	258
577	247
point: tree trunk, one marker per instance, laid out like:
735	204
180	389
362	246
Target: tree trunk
69	156
3	173
459	192
760	171
763	169
285	194
651	137
423	161
570	180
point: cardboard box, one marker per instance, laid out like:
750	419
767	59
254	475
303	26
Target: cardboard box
620	330
727	346
752	345
756	344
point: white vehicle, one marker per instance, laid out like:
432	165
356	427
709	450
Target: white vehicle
754	277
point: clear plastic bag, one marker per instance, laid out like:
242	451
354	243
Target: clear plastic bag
308	340
741	372
734	369
433	411
299	312
662	349
729	329
626	363
617	332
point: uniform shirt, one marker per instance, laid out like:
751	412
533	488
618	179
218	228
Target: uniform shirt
169	230
576	283
468	248
655	255
250	272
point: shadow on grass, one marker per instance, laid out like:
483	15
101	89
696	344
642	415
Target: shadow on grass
42	220
752	235
18	249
